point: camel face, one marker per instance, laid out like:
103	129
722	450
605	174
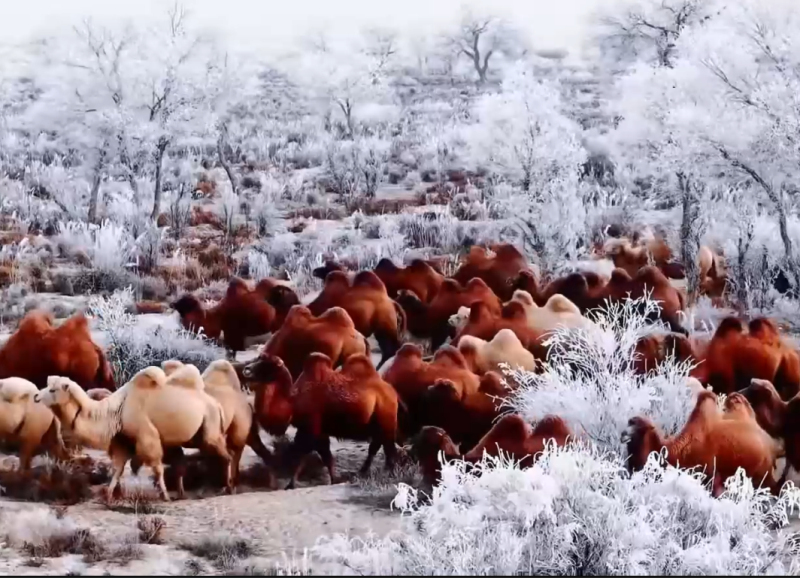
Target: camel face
55	393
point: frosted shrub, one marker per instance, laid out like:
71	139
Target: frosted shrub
258	265
131	347
577	512
109	246
589	379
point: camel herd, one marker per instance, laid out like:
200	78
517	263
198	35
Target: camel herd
315	372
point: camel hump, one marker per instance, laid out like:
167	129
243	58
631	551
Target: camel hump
492	384
560	304
386	265
359	366
476	284
370	280
512	426
236	288
149	378
478	311
477	253
409	350
514	310
265	285
450	286
505	338
187	376
170	366
337	279
552	426
451	355
317	361
337	316
299	315
420	266
650	275
76	324
36	321
679	346
221	372
444	389
507	252
729	326
592	279
618	277
13	389
763	328
522	296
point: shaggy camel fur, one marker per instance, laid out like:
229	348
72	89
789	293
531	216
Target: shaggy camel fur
149	413
649	280
505	349
583	288
30	425
368	305
221	382
332	333
242	313
465	418
425	448
419	277
517	439
433	319
411	376
353	403
717	443
497	270
653	350
37	350
734	357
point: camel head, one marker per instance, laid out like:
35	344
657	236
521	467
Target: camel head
768	406
525	281
641	439
269	377
187	305
443	392
736	403
322	272
265	369
56	393
426	447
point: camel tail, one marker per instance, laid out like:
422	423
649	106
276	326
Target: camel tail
105	375
401	318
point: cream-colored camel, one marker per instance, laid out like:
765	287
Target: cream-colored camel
32	426
504	348
222	383
149	412
557	312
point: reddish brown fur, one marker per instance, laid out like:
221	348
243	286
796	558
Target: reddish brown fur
418	277
433	319
516	438
653	350
428	443
734	358
242	313
368	305
302	334
466	418
411	377
354	403
37	350
498	271
719	444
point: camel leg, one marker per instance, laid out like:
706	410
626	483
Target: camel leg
119	457
302	445
236	458
389	345
54	443
374	446
218	447
717	486
158	472
323	447
254	441
390	452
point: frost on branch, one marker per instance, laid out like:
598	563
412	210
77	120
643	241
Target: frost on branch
577	512
131	347
589	379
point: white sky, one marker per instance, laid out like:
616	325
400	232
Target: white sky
270	24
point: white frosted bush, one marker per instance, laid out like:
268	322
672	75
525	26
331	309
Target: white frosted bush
589	379
130	347
110	246
577	512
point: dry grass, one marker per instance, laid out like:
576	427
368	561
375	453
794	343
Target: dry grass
222	550
151	529
76	541
139	501
379	487
55	482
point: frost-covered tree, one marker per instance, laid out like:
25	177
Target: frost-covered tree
478	38
521	133
727	109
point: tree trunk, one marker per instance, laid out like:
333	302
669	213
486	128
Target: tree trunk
161	148
690	238
225	165
96	182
